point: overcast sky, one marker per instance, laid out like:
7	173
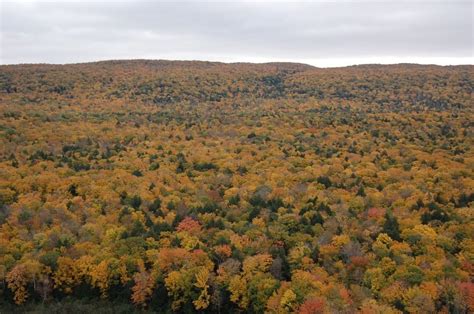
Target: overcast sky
329	33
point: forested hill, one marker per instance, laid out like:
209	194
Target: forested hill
398	87
176	186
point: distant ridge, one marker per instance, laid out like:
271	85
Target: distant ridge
179	64
203	64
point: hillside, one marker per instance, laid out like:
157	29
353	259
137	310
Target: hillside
192	186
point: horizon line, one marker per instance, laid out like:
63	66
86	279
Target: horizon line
406	61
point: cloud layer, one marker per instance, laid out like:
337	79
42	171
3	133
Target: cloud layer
319	33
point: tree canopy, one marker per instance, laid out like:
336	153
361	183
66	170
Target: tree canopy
196	186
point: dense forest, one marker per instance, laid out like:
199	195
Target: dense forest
163	186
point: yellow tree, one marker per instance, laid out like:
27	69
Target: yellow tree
100	277
67	274
202	276
17	280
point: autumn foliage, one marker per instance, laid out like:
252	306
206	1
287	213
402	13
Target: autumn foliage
223	188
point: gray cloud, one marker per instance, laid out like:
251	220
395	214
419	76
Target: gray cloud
321	33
